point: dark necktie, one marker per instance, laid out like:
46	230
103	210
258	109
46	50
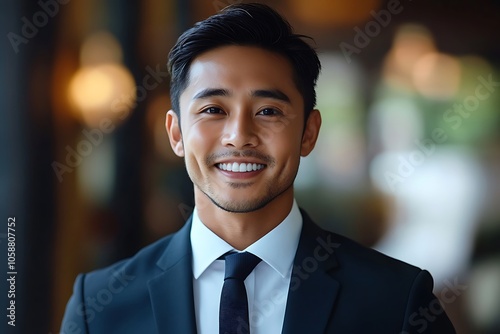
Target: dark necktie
233	316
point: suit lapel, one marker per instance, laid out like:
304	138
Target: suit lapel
171	292
311	296
313	290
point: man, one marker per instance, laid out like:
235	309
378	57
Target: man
242	116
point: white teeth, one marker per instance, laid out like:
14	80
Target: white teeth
240	168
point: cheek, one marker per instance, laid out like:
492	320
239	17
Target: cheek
199	141
285	148
288	129
290	135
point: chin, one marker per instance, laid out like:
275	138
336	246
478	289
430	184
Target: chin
240	206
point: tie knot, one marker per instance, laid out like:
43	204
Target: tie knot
240	265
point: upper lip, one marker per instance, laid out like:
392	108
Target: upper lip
240	160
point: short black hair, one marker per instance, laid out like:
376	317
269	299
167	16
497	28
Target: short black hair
248	24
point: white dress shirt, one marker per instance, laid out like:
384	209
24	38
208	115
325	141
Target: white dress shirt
267	285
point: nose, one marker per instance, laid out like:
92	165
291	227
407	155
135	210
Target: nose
240	131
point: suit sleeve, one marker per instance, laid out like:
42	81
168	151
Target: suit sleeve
424	313
75	316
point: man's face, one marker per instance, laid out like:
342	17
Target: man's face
242	123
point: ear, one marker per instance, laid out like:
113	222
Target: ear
174	133
311	132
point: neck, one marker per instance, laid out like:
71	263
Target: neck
240	230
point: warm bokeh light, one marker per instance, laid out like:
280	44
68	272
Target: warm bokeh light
102	91
91	87
102	87
437	76
410	44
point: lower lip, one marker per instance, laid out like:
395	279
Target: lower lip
241	175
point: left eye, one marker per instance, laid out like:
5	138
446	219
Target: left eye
269	112
213	110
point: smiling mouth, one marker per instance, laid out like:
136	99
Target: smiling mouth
240	167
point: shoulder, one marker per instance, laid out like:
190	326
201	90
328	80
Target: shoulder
132	275
362	267
101	296
142	262
351	253
368	289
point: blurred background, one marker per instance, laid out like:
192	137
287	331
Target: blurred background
408	159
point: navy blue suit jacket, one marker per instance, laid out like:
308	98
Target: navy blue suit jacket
337	286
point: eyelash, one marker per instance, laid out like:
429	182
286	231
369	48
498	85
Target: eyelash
275	111
219	111
207	110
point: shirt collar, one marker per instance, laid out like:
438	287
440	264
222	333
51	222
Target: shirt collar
277	248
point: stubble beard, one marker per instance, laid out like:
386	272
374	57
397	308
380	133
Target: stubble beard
273	189
272	193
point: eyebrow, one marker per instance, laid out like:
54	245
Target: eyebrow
266	93
210	92
271	93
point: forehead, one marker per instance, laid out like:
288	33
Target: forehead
241	68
